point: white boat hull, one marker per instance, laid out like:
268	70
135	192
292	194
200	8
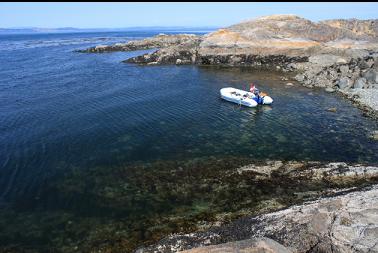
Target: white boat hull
249	102
242	97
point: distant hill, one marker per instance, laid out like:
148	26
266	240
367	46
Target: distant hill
28	30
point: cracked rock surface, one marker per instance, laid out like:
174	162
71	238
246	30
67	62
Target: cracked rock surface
255	245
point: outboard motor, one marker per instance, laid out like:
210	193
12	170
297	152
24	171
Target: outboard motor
266	100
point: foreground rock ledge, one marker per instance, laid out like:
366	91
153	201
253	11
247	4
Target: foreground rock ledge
255	245
345	223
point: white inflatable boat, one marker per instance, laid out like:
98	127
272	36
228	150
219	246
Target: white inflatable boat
246	98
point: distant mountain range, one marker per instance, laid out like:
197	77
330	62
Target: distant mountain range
23	30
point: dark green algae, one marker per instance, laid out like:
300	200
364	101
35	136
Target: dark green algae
118	209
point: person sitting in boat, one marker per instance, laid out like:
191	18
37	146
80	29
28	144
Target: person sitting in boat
254	90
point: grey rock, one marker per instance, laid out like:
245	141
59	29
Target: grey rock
366	100
360	83
344	69
332	74
291	66
325	60
344	83
375	66
366	64
322	81
254	245
341	61
300	77
371	76
329	89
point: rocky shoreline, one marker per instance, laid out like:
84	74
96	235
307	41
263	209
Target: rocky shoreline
345	223
329	224
158	41
354	78
338	55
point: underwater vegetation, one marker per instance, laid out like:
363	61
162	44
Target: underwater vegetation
118	209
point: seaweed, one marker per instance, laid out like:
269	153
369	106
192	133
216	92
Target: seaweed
117	209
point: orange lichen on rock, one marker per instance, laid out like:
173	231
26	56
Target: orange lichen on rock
225	35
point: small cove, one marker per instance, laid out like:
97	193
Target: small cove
62	111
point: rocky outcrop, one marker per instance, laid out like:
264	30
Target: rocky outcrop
185	53
261	42
255	245
285	35
278	34
265	41
158	41
345	223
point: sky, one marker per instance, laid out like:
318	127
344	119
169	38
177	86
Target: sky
192	14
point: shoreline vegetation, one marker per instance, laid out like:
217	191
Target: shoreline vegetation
231	203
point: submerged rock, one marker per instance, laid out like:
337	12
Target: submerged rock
332	109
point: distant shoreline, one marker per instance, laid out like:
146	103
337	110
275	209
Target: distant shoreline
10	31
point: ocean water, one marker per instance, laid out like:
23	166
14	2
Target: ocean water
62	111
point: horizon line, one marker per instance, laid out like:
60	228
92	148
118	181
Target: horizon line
126	27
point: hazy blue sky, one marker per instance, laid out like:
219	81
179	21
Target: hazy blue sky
117	15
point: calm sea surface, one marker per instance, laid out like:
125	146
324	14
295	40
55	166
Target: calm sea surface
60	109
